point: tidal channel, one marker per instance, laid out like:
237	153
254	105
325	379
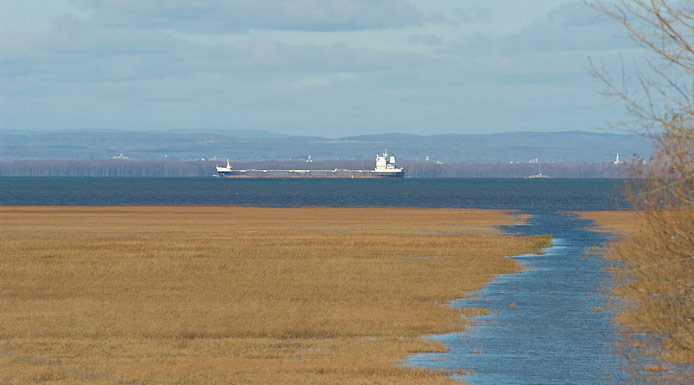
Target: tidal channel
546	324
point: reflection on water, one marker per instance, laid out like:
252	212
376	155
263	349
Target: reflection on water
545	325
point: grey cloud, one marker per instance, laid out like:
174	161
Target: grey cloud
210	16
77	51
427	40
576	14
74	50
571	27
117	77
124	68
473	14
553	50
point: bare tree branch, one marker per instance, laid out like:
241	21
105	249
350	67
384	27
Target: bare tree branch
656	278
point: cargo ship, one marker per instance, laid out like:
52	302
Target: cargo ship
385	168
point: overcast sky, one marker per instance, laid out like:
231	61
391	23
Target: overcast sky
310	67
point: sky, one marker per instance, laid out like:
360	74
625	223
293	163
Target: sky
332	68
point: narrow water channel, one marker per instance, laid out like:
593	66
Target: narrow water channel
546	325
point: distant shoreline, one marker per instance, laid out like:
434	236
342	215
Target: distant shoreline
148	168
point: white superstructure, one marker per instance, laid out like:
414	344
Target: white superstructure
386	163
224	169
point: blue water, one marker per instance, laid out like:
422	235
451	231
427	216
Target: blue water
550	334
542	328
516	194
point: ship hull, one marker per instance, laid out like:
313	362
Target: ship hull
344	174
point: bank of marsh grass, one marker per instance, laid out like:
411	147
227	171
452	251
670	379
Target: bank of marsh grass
162	295
653	275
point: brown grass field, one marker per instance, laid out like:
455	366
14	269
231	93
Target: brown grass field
653	274
237	295
623	223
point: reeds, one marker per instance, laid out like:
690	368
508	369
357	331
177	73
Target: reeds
237	295
653	277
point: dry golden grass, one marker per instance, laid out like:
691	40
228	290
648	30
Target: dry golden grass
654	277
625	223
207	295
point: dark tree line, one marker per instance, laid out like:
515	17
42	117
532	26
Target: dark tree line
116	168
514	170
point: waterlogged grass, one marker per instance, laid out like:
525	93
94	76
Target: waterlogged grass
207	295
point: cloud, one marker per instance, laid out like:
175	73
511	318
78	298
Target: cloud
473	14
555	48
214	16
184	64
571	27
304	82
425	39
576	14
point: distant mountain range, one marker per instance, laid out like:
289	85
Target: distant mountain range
250	145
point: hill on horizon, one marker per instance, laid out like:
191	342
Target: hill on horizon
580	147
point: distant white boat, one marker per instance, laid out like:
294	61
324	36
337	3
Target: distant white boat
538	175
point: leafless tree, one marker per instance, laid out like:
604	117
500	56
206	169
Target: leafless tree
656	267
